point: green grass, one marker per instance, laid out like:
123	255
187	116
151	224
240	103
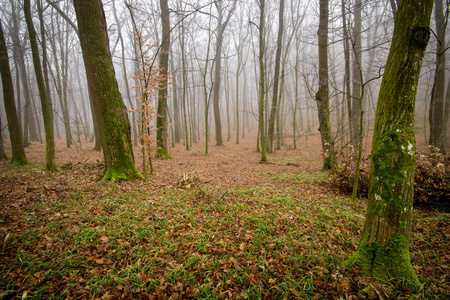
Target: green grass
95	239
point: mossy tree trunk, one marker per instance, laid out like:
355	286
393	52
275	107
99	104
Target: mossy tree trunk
322	97
46	104
383	251
161	117
108	105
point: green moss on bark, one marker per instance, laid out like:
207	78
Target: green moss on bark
162	153
393	159
119	173
110	111
383	251
383	263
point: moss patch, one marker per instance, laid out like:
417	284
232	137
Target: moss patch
162	153
119	173
385	263
391	159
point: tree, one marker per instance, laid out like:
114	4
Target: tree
46	104
356	107
125	73
436	115
322	97
176	106
261	93
15	133
20	59
239	45
3	155
221	26
206	89
109	108
161	117
60	76
346	42
273	111
383	251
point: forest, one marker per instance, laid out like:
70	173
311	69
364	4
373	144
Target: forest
224	149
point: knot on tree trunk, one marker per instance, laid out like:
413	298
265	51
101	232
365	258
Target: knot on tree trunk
420	37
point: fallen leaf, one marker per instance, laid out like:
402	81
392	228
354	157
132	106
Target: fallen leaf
178	287
295	292
242	246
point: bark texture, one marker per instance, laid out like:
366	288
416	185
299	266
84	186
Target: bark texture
383	251
15	133
109	108
322	97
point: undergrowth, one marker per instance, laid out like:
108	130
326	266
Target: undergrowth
67	235
431	179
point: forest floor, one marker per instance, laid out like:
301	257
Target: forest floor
211	226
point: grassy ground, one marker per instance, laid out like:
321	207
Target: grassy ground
68	235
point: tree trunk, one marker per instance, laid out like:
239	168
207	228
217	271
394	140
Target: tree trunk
273	111
109	108
227	99
2	148
322	98
438	91
221	26
15	133
161	117
19	58
261	93
46	104
134	125
18	93
176	106
184	71
60	83
217	69
383	251
446	116
356	107
44	58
